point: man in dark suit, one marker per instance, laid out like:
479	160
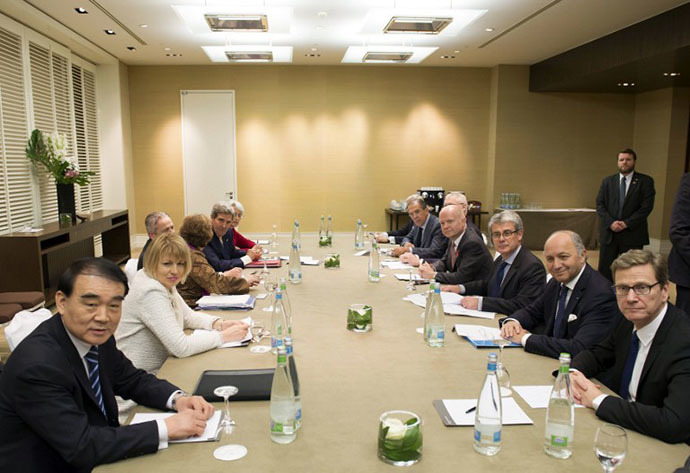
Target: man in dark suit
517	277
458	198
395	236
156	224
425	240
221	252
57	394
576	309
648	355
466	257
623	203
679	259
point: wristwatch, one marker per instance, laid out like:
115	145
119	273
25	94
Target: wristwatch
175	397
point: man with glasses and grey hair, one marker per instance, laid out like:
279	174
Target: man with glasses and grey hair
517	277
576	310
647	355
156	224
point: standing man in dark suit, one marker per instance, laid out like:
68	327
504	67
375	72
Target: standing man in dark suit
679	259
576	309
466	257
517	277
156	223
57	393
623	204
648	354
425	240
221	252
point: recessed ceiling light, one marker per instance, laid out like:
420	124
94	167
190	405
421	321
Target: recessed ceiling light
174	55
456	51
81	11
167	49
392	57
626	84
488	29
131	48
109	32
312	55
671	74
314	49
143	25
249	56
322	14
399	24
447	57
235	23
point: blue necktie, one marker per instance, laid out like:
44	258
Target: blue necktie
621	199
92	363
560	313
496	289
629	365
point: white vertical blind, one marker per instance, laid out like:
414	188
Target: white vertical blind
16	204
41	88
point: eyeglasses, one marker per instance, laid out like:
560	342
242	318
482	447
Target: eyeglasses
639	289
506	234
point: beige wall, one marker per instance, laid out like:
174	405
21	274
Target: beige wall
555	148
660	141
313	140
347	140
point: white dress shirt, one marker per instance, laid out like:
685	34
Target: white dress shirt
628	180
509	262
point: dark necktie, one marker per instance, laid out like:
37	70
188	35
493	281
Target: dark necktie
420	237
621	198
496	289
629	365
92	363
560	313
453	254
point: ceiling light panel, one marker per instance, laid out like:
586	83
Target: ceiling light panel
357	54
278	18
282	54
419	25
236	23
377	19
249	56
382	57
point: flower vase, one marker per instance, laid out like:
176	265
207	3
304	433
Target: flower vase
67	211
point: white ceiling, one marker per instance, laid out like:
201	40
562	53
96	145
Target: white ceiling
539	29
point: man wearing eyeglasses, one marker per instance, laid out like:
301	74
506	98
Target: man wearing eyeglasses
576	309
517	277
648	355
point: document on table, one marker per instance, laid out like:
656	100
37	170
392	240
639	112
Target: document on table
537	396
406	277
395	265
237	343
224	301
305	260
452	309
263	242
481	336
453	412
362	253
210	433
446	298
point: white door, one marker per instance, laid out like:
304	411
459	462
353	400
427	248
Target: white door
208	148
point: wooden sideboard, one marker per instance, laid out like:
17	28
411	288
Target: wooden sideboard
34	261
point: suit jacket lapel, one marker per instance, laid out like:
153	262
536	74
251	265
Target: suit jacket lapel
552	289
577	293
512	270
657	344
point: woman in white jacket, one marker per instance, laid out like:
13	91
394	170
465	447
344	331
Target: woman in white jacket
154	316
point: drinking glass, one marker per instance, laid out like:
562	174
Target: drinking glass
231	451
259	332
610	446
359	318
501	371
400	438
271	284
411	286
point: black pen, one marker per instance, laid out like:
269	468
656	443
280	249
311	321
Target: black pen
471	409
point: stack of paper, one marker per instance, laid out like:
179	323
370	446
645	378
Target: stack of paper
305	260
225	302
395	265
481	336
238	343
451	305
210	433
537	396
454	412
406	277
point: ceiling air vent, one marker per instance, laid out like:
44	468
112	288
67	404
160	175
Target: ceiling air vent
237	23
387	57
249	56
399	24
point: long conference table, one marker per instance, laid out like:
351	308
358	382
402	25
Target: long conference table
349	379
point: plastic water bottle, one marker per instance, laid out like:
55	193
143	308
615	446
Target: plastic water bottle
286	304
279	327
295	264
427	306
374	265
282	402
329	231
359	236
560	415
488	416
435	320
295	381
296	236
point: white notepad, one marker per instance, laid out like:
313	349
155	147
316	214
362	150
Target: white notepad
457	410
210	433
